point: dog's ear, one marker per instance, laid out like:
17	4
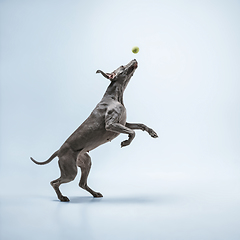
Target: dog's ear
109	76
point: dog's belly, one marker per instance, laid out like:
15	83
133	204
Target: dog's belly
92	132
97	141
90	140
90	135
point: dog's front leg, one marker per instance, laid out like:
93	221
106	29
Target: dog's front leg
142	127
112	124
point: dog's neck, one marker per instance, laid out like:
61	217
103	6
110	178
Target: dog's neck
115	91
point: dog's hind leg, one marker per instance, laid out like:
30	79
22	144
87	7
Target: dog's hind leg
84	162
68	168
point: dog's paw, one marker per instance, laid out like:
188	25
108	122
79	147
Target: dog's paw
64	199
152	133
125	143
97	195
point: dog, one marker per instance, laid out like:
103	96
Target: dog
105	123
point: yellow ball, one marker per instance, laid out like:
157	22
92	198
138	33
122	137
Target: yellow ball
135	50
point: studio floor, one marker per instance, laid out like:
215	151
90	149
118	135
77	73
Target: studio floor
198	209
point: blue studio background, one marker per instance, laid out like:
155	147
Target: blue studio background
184	185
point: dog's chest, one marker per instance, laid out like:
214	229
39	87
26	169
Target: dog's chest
123	116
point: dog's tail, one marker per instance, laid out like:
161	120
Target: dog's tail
47	161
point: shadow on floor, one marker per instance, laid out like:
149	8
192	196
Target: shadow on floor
138	199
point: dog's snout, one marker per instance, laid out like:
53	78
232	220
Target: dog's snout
135	63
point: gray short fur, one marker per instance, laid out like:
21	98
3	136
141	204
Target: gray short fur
105	123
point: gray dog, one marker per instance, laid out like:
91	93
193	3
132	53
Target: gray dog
105	123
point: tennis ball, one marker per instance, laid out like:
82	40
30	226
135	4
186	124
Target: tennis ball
135	50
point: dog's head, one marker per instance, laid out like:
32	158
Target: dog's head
122	74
